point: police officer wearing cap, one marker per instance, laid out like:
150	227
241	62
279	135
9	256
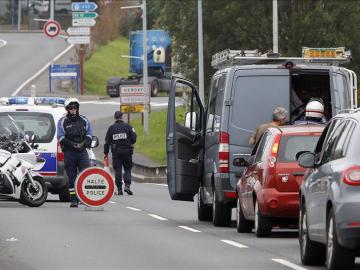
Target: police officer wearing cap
120	137
74	135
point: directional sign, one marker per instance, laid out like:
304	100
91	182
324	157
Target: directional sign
94	186
52	28
78	31
83	22
83	6
79	40
132	108
80	15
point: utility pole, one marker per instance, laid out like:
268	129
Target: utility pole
201	53
275	27
145	70
52	10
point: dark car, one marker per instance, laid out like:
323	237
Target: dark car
330	202
267	192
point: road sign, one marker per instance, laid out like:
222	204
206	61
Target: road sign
52	28
94	186
83	22
132	99
83	6
79	40
83	15
139	108
78	31
129	90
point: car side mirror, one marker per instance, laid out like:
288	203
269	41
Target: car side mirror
307	160
191	120
298	154
243	161
94	142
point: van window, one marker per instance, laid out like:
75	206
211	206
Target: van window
40	124
254	101
215	103
291	145
341	93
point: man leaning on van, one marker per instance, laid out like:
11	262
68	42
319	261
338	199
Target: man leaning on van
280	115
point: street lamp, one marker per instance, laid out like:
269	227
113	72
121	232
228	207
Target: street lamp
145	70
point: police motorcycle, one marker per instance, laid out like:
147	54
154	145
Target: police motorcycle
17	162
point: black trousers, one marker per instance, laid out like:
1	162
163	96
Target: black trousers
120	162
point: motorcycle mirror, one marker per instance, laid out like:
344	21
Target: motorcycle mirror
94	142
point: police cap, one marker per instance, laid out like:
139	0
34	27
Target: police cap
118	115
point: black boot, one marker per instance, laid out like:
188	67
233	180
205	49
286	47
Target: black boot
128	191
120	192
74	204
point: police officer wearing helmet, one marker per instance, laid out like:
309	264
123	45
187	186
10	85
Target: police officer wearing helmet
120	137
74	135
314	113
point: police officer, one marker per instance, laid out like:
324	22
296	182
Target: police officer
314	113
120	137
74	135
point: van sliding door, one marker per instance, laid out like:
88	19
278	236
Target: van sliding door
340	91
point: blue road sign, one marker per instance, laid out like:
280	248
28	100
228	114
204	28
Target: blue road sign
64	72
83	6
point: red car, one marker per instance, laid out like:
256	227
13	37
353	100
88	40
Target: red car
268	190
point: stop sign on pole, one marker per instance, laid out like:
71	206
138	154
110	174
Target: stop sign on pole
94	186
52	28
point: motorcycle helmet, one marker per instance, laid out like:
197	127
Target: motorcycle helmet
315	108
70	102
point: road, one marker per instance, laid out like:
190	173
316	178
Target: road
23	55
144	231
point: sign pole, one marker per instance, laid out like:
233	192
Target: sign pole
145	70
81	69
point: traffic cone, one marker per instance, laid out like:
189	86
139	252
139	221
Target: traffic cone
106	164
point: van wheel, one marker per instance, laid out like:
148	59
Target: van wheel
337	257
154	88
242	224
311	253
64	195
262	224
221	213
204	211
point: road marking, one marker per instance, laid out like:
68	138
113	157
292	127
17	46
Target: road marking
157	217
233	243
189	229
2	43
163	185
289	264
41	70
133	208
112	202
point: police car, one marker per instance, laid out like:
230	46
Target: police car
38	117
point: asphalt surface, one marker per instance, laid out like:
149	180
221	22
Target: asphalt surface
144	231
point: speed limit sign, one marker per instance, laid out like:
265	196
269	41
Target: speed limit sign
52	28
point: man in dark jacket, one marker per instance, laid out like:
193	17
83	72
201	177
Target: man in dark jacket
120	137
74	134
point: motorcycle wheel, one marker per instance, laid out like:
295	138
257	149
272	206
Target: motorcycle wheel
31	197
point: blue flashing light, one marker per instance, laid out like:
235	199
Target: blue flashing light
49	100
18	100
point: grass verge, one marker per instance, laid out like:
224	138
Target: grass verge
106	62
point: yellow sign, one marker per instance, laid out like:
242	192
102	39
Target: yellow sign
132	108
323	52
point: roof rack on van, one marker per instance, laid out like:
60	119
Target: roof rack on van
322	56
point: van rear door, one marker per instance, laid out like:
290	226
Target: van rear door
340	89
255	94
184	141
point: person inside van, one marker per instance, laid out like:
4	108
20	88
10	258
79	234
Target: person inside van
314	113
280	116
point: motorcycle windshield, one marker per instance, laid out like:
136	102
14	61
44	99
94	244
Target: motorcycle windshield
10	129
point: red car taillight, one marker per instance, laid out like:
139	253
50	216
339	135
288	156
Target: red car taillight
60	154
274	151
351	176
224	152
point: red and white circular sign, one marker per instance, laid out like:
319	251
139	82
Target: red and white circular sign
94	186
52	28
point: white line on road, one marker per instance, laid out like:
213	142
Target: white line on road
189	229
133	208
2	43
41	70
289	264
157	217
235	244
112	202
163	185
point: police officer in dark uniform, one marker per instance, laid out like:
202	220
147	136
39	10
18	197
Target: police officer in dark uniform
120	137
74	135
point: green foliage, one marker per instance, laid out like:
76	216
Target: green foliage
247	24
106	62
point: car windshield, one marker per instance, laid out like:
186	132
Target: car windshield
291	145
31	123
